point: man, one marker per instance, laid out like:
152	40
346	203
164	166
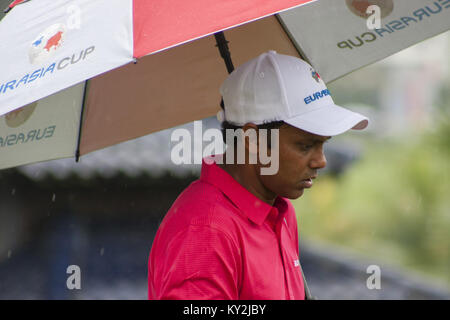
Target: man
232	234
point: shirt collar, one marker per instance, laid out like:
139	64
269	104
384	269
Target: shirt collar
253	207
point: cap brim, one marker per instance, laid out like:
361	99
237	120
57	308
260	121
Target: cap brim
329	121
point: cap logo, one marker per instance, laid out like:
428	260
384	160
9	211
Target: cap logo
315	75
316	96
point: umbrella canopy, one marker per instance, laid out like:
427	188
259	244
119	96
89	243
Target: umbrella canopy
56	45
50	48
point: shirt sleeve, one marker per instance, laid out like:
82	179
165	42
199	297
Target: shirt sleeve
200	262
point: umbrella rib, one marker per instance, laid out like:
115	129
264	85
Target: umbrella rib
77	152
290	36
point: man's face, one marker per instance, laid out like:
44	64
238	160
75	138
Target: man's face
300	156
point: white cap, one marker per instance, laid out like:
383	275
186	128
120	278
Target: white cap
275	87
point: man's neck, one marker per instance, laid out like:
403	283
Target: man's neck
247	177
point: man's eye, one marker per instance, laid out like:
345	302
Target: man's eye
306	147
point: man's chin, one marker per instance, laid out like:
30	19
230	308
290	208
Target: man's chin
295	194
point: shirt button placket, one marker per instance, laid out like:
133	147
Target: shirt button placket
280	228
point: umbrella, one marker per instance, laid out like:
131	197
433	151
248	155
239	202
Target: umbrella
152	65
50	48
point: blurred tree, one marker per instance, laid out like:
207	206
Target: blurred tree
392	204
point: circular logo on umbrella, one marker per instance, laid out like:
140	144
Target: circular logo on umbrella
46	43
359	7
18	117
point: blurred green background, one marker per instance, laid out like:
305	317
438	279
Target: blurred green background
393	202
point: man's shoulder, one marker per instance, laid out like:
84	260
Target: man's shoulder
199	197
202	204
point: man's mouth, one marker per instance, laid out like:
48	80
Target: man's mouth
307	183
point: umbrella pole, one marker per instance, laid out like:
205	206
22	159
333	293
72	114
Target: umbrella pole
222	44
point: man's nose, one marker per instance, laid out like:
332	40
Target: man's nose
318	160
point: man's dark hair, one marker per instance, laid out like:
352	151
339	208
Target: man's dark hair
268	125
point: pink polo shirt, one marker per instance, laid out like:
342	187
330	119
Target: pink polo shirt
219	241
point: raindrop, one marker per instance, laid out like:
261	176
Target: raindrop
13	191
54	198
102	251
9	253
